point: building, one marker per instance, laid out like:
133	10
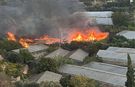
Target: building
59	52
122	50
1	58
116	80
78	55
46	77
127	34
107	67
117	55
97	17
37	50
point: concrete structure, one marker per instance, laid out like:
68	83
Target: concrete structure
97	17
37	50
58	52
79	55
34	48
115	57
117	80
107	67
1	58
45	76
122	50
127	34
49	76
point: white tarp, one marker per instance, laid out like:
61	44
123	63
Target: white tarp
98	17
115	57
79	55
107	67
58	52
122	50
107	77
127	34
34	48
49	76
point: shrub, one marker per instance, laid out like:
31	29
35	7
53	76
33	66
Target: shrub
47	64
65	81
14	57
26	56
81	81
62	60
9	45
11	69
90	59
21	84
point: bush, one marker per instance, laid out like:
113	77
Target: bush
11	69
91	59
26	56
81	81
14	57
65	81
9	45
23	57
51	49
21	84
62	60
47	64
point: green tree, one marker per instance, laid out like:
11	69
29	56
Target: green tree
14	57
26	56
130	74
9	45
120	19
47	64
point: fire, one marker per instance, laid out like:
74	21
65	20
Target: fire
11	36
23	42
47	39
88	35
78	36
91	35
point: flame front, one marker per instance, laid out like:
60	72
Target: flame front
11	36
91	35
23	42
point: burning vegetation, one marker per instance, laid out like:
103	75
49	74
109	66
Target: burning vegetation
89	35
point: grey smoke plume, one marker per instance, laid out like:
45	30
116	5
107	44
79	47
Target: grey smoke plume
37	17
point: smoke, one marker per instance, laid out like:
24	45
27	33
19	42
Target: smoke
38	17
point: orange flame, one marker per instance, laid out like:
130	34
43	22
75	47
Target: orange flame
78	36
91	35
23	42
47	39
11	36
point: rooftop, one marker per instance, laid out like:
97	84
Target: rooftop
97	17
34	48
49	76
127	34
58	52
107	77
119	58
79	55
122	50
107	67
97	14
